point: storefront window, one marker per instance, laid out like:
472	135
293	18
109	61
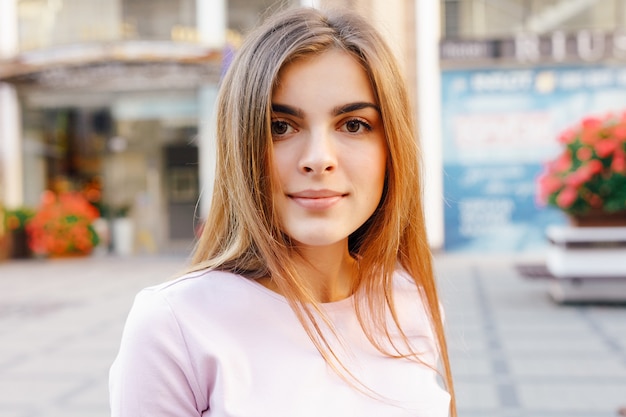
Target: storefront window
244	15
46	23
133	156
159	19
485	19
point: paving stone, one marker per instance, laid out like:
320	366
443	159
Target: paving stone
94	395
11	412
465	365
574	396
597	368
24	391
474	396
585	343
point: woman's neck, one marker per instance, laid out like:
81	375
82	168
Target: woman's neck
329	272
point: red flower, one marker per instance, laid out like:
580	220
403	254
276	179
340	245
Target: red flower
584	153
619	162
619	133
567	197
550	183
605	147
567	136
591	128
590	172
63	225
594	167
595	201
562	163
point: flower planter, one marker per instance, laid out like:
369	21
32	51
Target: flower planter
4	246
69	255
597	218
123	236
102	229
16	221
18	242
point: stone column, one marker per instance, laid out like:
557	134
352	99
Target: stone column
212	26
8	34
310	3
11	157
427	20
211	21
206	145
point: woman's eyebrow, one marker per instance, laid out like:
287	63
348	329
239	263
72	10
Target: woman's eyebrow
336	111
285	109
350	107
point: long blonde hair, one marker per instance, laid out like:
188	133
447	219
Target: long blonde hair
242	232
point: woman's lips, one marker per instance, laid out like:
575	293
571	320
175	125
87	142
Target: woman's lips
316	200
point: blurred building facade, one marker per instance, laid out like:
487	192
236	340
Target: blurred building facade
476	19
115	99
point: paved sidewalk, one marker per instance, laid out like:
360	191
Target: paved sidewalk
60	326
515	353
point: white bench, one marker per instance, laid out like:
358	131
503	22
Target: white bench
589	263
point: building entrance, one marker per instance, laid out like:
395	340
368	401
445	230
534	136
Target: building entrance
133	156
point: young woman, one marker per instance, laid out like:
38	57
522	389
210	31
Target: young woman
311	291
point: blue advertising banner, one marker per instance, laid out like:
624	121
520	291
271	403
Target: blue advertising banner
499	127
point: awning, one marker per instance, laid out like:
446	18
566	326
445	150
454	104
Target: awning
115	66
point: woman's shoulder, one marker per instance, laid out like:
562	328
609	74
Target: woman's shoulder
185	290
403	281
409	288
409	294
206	289
193	282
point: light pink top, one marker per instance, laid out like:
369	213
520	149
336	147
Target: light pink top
217	344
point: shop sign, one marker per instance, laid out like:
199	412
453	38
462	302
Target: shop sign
499	127
531	48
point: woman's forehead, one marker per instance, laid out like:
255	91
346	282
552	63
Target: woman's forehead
333	66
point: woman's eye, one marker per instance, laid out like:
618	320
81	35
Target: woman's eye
356	126
280	127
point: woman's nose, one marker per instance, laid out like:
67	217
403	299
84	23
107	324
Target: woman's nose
319	154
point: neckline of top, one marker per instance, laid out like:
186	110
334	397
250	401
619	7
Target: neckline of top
329	306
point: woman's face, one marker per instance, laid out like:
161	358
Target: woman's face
329	148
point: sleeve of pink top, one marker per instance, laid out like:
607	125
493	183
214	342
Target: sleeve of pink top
152	374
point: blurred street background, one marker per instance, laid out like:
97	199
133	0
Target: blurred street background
106	116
